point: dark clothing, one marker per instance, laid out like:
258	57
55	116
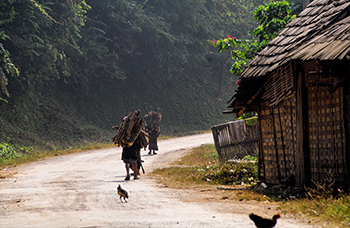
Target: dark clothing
138	165
131	154
152	137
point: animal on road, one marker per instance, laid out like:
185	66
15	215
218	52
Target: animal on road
264	222
122	193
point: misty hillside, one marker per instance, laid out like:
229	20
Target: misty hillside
85	65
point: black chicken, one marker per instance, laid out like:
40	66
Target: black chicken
264	222
123	194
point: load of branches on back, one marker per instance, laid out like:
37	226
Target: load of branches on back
152	121
130	130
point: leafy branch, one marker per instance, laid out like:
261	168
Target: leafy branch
272	17
43	11
6	67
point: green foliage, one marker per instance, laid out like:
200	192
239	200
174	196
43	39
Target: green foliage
248	115
7	152
335	209
6	65
272	19
213	155
250	158
78	41
252	121
233	17
41	36
43	11
6	68
232	173
242	50
205	154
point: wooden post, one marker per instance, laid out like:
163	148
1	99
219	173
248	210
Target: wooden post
261	163
299	161
293	138
216	140
305	128
346	95
275	142
282	139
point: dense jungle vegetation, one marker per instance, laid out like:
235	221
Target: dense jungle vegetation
71	69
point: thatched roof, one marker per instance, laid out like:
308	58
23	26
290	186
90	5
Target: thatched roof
320	32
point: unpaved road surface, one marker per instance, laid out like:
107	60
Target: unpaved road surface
79	190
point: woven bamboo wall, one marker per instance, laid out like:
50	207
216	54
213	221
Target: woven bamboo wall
277	115
325	151
280	85
286	119
326	133
278	140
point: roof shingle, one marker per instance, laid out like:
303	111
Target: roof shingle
312	35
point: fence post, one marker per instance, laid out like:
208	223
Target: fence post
217	143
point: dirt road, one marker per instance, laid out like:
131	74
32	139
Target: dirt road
79	190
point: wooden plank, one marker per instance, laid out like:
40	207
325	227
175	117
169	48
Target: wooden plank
282	139
216	142
229	145
275	145
347	127
299	158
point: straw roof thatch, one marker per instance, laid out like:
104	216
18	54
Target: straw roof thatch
320	32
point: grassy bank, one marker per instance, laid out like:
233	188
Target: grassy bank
201	169
11	155
14	155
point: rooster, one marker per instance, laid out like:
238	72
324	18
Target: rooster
122	193
264	222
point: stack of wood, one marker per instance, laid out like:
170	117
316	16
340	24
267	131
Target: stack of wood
141	140
152	121
130	130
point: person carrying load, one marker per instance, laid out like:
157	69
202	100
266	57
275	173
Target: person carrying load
131	137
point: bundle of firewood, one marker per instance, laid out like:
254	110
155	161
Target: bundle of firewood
130	130
141	140
152	121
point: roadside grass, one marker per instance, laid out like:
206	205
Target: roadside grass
200	156
201	169
333	211
11	155
186	171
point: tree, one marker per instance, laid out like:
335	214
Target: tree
40	42
6	68
272	19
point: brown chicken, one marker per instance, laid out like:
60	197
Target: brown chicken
122	193
264	222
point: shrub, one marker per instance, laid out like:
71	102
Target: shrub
7	152
250	158
233	173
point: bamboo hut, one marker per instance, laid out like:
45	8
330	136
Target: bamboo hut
299	85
